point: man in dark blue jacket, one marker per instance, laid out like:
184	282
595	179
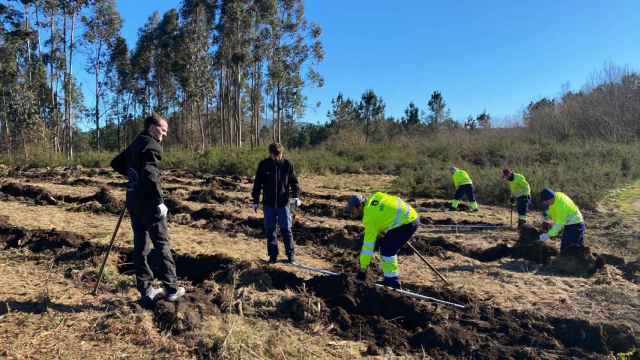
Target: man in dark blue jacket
276	179
140	163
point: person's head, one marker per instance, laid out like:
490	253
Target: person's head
547	196
453	168
507	174
276	151
156	126
355	206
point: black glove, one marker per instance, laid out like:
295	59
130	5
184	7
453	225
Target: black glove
513	201
362	275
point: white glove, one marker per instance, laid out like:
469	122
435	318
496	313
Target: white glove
544	237
163	210
295	202
254	207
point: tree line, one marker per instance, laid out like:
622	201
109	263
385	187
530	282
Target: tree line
365	121
607	108
220	69
228	73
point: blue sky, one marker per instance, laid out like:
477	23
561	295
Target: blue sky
493	55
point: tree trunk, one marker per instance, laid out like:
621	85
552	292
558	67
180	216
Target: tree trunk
202	137
97	114
70	93
221	108
238	107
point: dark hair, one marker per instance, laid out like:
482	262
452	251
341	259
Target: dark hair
276	149
153	119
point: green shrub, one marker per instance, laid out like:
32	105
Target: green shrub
584	170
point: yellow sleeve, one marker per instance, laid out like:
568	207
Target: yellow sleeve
366	254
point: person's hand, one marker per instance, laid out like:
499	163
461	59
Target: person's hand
362	276
254	207
544	237
163	210
295	202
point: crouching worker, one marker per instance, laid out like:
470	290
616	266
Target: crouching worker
388	215
140	163
566	218
464	189
520	193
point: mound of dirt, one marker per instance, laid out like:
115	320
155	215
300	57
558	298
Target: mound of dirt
107	201
302	309
323	210
208	196
338	198
426	220
91	206
39	240
220	183
175	206
185	315
575	261
632	271
388	320
37	194
528	247
208	214
80	182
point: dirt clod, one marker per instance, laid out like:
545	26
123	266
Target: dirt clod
208	196
185	315
37	194
575	261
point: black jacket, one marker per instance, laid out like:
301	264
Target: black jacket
140	163
278	180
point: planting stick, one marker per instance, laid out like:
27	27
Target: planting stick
106	256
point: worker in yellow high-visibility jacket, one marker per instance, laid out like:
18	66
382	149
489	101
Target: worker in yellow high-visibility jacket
520	193
383	214
464	188
566	218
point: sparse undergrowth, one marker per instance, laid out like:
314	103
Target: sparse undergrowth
584	170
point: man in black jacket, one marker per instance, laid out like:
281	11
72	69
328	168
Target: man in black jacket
277	179
140	164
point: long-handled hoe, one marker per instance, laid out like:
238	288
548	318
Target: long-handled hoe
427	262
106	256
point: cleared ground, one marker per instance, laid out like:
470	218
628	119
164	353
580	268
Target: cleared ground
53	234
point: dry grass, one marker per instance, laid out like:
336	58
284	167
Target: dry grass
78	325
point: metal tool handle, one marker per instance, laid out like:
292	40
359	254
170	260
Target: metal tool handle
106	256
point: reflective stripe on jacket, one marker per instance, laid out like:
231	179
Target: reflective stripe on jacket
382	212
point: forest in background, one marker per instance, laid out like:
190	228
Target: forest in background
230	76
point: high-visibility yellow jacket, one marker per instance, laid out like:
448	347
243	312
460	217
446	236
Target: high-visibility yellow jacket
519	186
461	177
563	212
382	212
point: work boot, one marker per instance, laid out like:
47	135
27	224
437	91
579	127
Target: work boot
521	222
175	295
153	293
393	282
291	259
474	210
272	259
